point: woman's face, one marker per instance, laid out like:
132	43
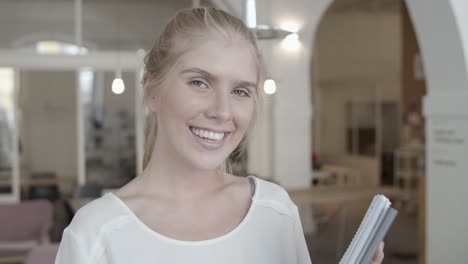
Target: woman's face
206	103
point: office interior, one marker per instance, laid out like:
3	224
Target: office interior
363	97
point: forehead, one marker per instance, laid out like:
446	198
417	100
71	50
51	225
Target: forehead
230	58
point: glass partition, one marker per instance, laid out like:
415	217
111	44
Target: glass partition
109	128
7	126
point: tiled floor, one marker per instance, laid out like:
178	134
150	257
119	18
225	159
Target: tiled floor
401	242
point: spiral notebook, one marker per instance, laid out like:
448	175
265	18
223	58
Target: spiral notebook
377	221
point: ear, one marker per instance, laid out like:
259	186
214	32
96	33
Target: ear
152	102
150	98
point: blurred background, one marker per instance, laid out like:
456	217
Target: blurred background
363	97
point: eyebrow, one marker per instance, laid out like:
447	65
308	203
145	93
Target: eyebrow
212	77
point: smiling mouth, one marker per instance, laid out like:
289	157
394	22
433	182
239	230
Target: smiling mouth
208	135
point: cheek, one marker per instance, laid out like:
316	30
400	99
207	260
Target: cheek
245	114
178	104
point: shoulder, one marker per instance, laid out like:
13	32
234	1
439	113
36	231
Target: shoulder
82	240
98	216
273	196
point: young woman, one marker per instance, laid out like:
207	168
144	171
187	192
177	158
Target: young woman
202	84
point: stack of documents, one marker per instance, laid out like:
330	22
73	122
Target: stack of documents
371	232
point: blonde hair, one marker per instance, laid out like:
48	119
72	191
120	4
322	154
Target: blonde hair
186	25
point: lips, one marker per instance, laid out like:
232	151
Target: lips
208	139
207	134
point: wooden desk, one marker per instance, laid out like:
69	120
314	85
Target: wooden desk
332	194
12	260
344	175
26	182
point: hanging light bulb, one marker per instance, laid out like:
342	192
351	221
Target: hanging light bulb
269	86
118	86
291	42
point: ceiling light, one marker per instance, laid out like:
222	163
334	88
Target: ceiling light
261	31
291	42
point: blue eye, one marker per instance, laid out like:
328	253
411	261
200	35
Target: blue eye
198	83
241	93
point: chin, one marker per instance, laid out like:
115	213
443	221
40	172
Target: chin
208	163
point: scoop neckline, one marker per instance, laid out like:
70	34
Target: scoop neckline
191	242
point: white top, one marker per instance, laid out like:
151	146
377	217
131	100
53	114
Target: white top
106	231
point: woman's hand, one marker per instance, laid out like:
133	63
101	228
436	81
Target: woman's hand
379	255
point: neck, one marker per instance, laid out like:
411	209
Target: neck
166	174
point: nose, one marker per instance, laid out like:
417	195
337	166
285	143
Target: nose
220	107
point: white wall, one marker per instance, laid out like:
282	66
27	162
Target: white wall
444	49
259	147
459	10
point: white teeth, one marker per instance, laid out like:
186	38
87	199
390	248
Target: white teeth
207	134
